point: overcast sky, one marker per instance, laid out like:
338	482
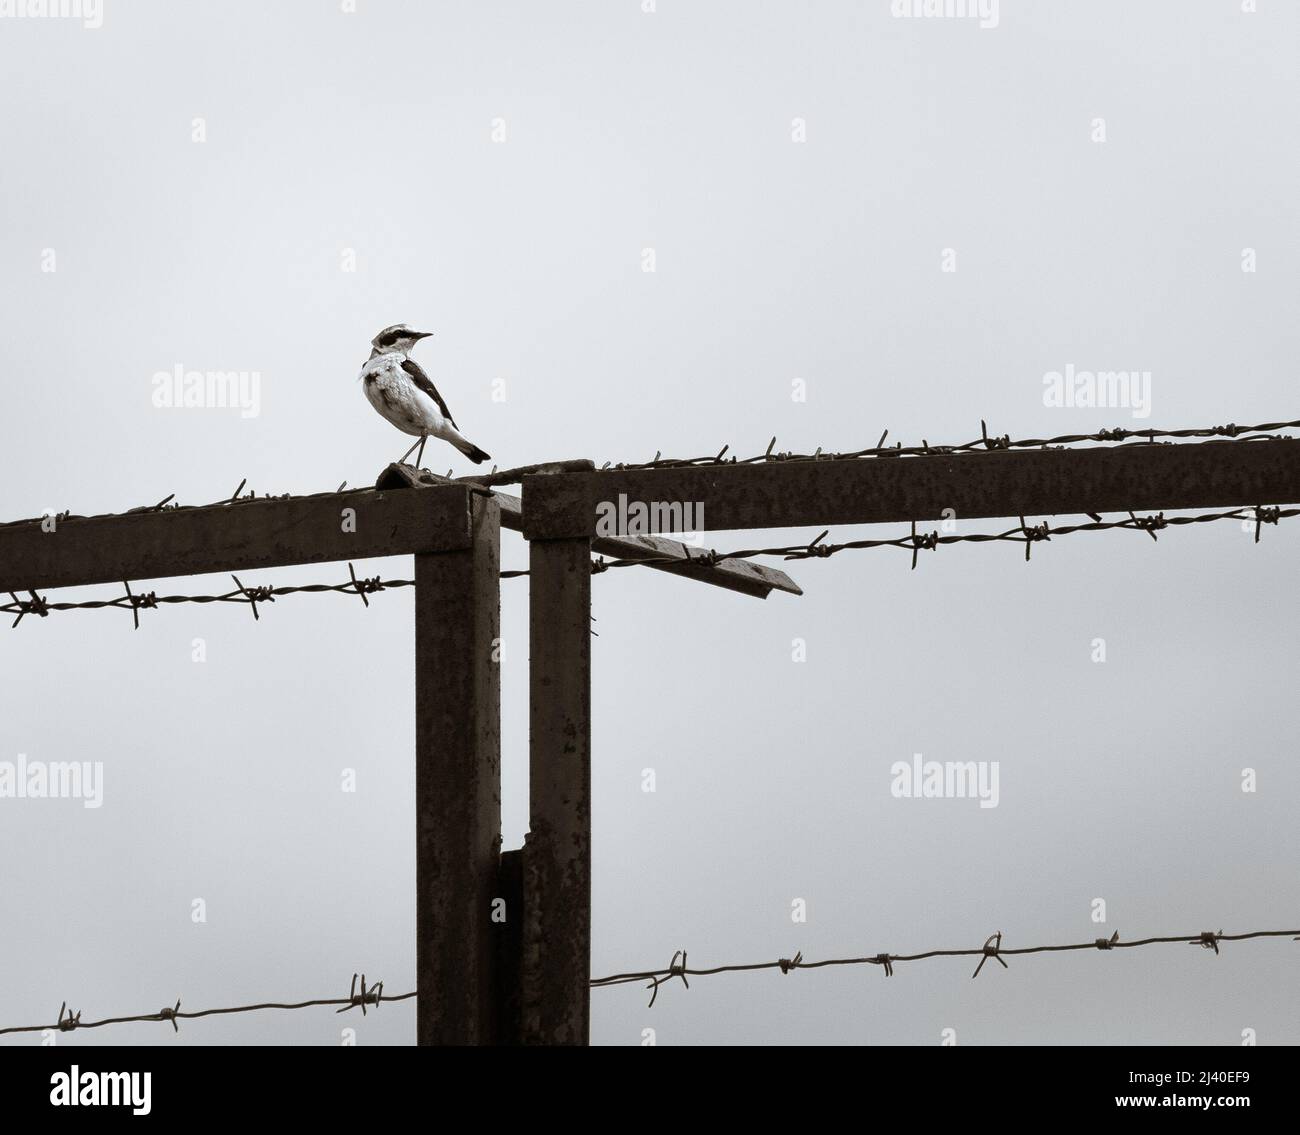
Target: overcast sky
260	188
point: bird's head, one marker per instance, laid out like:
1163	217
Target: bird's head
398	337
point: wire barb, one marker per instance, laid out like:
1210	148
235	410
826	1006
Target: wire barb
991	949
169	1014
675	969
255	595
364	587
148	601
34	606
1209	940
371	996
1265	516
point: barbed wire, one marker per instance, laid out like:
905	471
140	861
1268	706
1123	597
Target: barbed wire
370	996
169	504
40	606
992	949
1266	431
251	596
357	998
915	542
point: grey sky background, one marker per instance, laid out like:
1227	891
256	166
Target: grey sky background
625	130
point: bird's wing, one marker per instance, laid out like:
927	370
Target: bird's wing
424	383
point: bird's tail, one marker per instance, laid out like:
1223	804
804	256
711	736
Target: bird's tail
469	449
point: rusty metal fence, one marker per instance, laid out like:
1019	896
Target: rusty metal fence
526	978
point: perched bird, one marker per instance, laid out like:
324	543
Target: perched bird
402	393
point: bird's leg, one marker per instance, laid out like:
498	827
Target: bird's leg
420	456
402	460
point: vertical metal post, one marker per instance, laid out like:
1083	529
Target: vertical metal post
557	852
510	948
458	784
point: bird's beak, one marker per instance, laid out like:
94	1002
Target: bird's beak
423	335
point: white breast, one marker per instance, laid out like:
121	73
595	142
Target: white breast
391	391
